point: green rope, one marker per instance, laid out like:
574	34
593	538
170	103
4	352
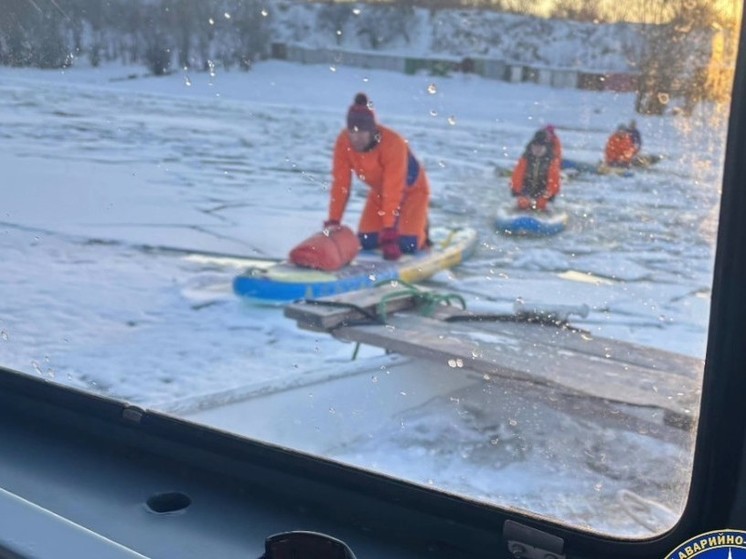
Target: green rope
425	301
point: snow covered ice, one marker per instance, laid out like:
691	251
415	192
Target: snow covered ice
117	192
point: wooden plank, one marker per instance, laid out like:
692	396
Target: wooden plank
581	342
507	356
328	313
570	359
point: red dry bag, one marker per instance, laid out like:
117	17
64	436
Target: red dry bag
328	250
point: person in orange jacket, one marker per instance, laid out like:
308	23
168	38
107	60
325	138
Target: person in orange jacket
395	216
536	178
621	148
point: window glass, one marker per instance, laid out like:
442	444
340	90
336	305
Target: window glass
550	362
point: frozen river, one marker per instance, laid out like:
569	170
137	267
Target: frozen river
113	187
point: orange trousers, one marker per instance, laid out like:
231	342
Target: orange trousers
413	217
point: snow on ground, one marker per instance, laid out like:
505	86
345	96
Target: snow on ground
114	183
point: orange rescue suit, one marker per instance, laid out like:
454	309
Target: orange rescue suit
620	149
399	191
535	178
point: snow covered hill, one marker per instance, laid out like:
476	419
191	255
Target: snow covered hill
461	33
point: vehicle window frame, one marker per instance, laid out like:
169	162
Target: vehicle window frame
719	464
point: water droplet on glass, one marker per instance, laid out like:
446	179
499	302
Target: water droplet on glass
332	411
226	15
265	13
187	81
664	98
366	79
211	21
452	120
374	378
433	112
333	68
4	335
431	89
494	441
356	11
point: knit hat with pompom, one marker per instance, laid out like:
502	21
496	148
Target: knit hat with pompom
360	116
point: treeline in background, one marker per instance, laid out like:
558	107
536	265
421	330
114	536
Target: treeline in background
201	34
156	33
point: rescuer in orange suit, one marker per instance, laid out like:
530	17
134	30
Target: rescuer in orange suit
395	217
536	178
621	148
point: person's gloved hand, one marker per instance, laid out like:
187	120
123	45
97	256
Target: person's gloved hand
331	224
541	203
523	202
389	241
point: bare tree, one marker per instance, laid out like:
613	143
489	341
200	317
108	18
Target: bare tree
15	46
676	56
384	24
333	18
154	35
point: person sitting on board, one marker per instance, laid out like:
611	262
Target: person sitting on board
621	147
536	178
395	216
